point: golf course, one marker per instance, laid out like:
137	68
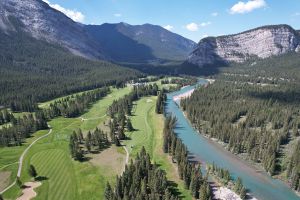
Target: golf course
62	177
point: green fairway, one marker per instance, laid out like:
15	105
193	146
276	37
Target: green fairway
63	177
149	133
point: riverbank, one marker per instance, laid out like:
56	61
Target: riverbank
207	151
184	95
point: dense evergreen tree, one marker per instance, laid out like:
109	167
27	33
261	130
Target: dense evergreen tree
108	194
162	97
34	71
22	128
74	105
250	119
189	172
141	180
293	170
120	111
95	141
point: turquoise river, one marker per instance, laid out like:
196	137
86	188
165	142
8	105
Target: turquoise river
261	185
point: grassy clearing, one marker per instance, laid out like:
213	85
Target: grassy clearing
149	133
65	178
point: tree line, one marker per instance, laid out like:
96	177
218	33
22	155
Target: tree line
22	128
161	99
120	111
71	106
94	142
223	176
6	117
180	82
34	71
189	172
293	169
141	180
75	105
253	120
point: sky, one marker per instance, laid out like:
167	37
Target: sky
193	19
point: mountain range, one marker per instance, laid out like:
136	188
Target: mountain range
262	42
114	42
142	45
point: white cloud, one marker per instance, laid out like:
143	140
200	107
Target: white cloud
246	7
192	27
214	14
195	27
296	14
204	36
203	24
168	27
118	15
73	14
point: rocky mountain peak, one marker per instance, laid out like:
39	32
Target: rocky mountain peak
262	42
43	22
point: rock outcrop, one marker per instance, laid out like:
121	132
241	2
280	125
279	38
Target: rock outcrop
43	22
262	42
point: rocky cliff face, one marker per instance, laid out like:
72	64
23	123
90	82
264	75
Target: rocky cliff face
261	42
44	22
114	42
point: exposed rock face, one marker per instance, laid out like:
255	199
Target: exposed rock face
261	42
118	42
44	22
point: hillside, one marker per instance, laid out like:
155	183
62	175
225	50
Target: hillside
141	43
262	42
41	21
113	42
34	70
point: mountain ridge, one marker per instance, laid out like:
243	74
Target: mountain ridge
261	42
150	43
159	43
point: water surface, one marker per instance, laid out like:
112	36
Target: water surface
261	185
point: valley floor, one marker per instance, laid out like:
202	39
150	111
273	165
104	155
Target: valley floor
63	178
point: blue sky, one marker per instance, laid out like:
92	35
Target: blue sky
193	19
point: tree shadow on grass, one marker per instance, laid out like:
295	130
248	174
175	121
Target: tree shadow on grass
174	189
41	178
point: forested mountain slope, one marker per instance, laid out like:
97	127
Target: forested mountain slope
33	70
43	22
140	43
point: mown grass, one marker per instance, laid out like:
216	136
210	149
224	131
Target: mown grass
149	133
62	177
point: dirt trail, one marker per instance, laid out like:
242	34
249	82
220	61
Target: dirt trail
22	158
28	191
127	157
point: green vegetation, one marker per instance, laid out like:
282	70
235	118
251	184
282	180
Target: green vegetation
148	133
63	178
223	176
189	172
34	71
252	119
32	171
141	180
254	109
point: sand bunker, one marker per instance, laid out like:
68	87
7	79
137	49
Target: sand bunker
28	191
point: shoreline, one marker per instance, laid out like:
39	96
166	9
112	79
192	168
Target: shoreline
184	95
252	168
